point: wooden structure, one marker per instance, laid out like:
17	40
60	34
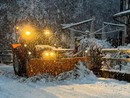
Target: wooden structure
107	73
118	51
124	17
118	56
71	26
120	29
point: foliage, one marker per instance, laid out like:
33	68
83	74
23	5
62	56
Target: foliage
95	57
42	13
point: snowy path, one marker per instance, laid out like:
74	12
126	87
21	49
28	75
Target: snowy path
12	89
98	90
101	88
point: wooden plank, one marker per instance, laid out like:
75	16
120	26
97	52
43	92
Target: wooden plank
117	59
116	50
115	75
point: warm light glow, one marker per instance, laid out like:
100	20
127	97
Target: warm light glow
47	32
28	33
29	53
25	45
86	51
51	54
17	28
47	54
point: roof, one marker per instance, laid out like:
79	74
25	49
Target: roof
65	26
123	13
42	47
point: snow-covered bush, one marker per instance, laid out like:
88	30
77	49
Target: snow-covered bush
93	47
87	42
95	55
80	72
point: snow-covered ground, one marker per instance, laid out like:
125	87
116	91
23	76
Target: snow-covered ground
86	86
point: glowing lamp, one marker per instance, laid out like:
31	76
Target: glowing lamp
29	53
51	54
25	45
17	28
28	33
86	51
47	32
47	54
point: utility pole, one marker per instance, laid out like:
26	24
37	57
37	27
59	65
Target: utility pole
92	35
103	32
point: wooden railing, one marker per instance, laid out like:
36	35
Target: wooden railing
118	58
119	52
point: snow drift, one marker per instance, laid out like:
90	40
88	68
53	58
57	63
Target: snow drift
78	86
87	42
79	73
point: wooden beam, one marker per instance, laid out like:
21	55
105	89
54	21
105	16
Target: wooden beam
116	59
116	50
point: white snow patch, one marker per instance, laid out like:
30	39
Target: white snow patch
86	85
87	42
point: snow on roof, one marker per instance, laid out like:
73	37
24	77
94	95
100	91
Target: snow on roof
61	49
93	41
74	24
123	13
116	50
41	47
